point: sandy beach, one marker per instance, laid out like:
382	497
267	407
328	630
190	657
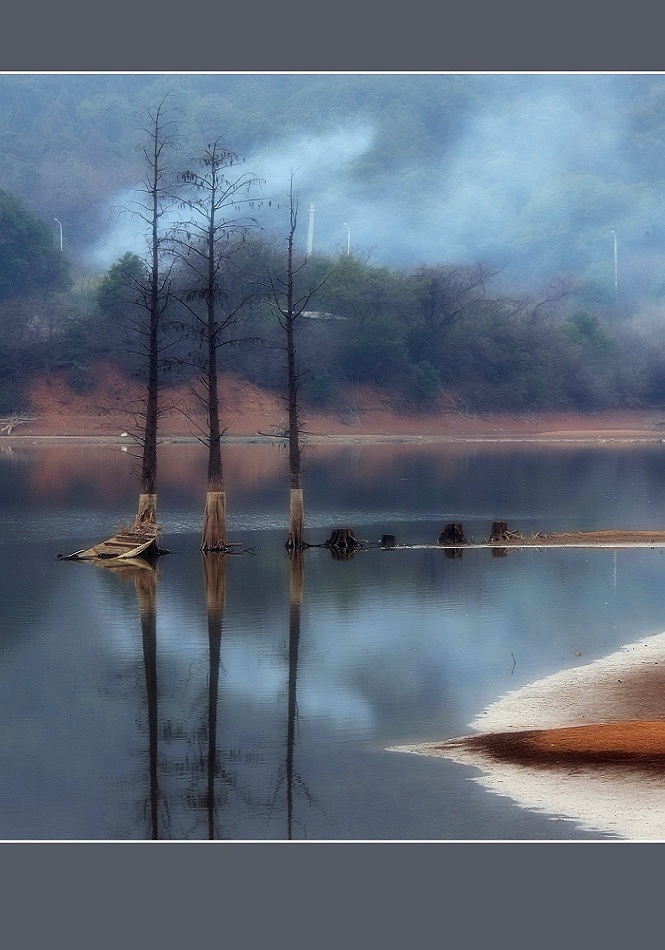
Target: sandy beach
585	745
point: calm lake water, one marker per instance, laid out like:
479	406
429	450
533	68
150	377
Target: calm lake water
200	700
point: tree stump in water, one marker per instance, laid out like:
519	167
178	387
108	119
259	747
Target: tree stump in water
453	533
343	539
147	509
499	531
502	533
296	538
213	537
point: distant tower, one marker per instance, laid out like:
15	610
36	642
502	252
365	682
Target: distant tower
310	231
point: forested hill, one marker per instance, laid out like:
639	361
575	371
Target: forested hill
497	241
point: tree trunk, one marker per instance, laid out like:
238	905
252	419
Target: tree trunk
149	461
214	522
214	519
296	539
147	510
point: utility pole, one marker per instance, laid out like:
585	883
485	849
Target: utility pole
310	231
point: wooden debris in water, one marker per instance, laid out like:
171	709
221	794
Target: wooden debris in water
137	541
501	532
607	537
9	423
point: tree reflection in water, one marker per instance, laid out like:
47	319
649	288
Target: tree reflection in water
143	574
296	587
216	761
214	579
208	773
289	774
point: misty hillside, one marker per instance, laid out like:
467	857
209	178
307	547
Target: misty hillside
529	173
494	240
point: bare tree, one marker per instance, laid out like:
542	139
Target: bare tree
216	201
290	304
153	291
452	292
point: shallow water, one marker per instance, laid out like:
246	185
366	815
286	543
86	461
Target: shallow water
138	705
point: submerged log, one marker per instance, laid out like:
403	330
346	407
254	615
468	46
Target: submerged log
453	533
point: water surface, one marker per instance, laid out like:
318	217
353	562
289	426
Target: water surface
245	700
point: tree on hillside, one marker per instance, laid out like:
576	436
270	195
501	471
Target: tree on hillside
120	319
33	271
290	302
30	261
219	202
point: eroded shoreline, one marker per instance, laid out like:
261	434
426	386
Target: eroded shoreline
585	744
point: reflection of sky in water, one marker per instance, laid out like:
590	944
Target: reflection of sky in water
405	624
394	647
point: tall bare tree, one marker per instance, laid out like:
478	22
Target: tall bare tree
219	204
154	290
290	303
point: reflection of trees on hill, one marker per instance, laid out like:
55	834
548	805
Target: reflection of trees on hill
73	473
